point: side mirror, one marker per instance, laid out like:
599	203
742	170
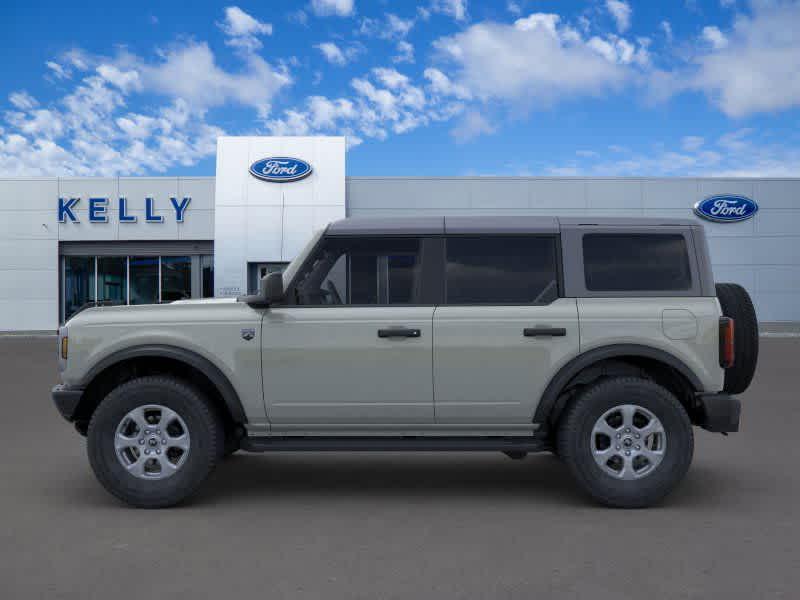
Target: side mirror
270	291
272	288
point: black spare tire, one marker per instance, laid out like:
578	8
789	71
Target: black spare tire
736	304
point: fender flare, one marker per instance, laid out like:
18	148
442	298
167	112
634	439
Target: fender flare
559	381
218	379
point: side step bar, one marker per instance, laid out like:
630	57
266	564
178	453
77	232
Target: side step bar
393	444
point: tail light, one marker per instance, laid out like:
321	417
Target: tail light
726	346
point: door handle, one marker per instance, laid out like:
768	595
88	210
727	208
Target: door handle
544	331
400	332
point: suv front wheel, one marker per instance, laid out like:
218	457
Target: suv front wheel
152	441
627	441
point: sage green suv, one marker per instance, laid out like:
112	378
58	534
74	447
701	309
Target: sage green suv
601	340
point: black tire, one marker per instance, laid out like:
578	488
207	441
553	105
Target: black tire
204	427
736	304
575	435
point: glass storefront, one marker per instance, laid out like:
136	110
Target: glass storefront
144	279
112	279
79	288
176	278
134	280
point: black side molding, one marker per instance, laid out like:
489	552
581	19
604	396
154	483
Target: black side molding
202	364
547	403
394	444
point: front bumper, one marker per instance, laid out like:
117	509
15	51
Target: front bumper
66	400
719	412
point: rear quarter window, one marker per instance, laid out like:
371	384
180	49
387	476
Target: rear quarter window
636	262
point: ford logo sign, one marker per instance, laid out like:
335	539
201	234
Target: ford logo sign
280	169
726	209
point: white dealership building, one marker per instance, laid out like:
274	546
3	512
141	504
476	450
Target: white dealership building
66	241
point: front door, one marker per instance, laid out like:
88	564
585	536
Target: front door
502	330
352	346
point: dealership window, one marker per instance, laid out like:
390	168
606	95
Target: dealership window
112	279
361	271
501	270
207	276
176	278
144	279
256	271
635	262
79	278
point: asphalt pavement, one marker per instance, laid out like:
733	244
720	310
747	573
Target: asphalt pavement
397	525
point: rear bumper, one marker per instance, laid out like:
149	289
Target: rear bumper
719	412
66	400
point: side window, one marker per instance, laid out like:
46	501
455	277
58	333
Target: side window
501	270
636	262
353	271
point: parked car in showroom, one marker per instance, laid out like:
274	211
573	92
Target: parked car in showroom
602	340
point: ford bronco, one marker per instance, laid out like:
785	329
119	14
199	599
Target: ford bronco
603	341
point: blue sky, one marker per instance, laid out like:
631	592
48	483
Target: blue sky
435	87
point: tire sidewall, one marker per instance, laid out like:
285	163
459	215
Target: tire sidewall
189	405
575	442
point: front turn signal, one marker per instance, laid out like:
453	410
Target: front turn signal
64	347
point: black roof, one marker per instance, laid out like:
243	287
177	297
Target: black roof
431	225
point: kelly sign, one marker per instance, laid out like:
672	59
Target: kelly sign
98	210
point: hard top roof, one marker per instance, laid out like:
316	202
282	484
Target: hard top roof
497	224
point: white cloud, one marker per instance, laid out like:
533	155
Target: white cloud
57	70
666	27
715	37
22	100
453	8
385	101
405	52
621	11
90	130
398	27
243	29
537	60
441	84
692	143
735	154
336	55
339	8
758	70
473	124
514	8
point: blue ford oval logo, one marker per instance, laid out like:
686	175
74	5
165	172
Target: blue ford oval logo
280	169
726	208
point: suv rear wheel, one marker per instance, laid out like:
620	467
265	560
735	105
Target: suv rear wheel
152	441
627	441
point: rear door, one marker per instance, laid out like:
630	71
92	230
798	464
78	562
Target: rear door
353	347
502	330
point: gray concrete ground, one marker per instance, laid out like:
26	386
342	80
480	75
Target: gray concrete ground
399	525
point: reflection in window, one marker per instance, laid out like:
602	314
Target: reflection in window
362	271
112	280
176	278
638	262
78	283
207	273
144	279
501	270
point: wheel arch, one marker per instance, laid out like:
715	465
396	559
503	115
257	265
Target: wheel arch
135	361
616	359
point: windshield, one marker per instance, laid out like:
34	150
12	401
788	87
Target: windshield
291	270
